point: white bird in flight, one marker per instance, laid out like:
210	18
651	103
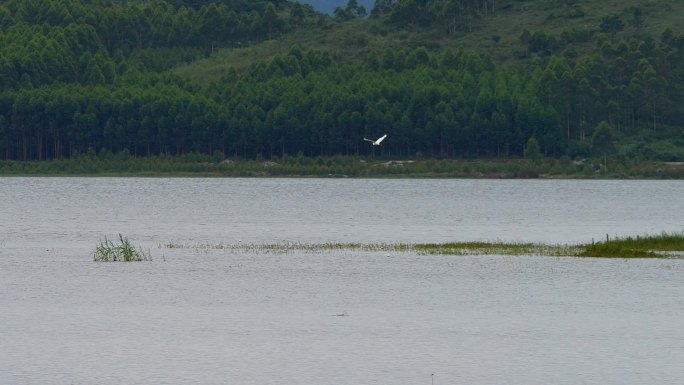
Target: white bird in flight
376	142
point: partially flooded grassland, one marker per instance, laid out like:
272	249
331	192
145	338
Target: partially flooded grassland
649	246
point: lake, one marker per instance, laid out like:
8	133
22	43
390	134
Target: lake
216	316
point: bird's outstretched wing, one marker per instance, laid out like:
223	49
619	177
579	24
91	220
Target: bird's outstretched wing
368	140
380	139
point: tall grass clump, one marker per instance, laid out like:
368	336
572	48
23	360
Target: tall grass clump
123	251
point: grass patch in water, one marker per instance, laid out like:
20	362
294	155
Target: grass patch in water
124	251
497	248
650	246
286	247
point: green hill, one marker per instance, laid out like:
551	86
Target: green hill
258	79
497	34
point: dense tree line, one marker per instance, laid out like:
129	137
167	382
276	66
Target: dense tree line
458	104
45	41
73	80
455	105
630	83
130	25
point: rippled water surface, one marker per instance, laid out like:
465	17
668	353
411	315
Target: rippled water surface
194	315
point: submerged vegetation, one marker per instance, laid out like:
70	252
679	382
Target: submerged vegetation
498	248
287	247
123	251
650	246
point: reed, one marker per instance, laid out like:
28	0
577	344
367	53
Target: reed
123	251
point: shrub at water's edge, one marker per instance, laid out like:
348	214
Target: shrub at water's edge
123	251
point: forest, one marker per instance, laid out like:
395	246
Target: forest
99	75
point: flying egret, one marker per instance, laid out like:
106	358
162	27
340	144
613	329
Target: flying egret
376	142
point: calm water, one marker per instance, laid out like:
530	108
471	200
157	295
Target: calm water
216	317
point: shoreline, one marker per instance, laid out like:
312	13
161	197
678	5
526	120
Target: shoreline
204	166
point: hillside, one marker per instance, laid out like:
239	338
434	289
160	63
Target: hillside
498	34
260	79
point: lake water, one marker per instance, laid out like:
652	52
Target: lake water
194	315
